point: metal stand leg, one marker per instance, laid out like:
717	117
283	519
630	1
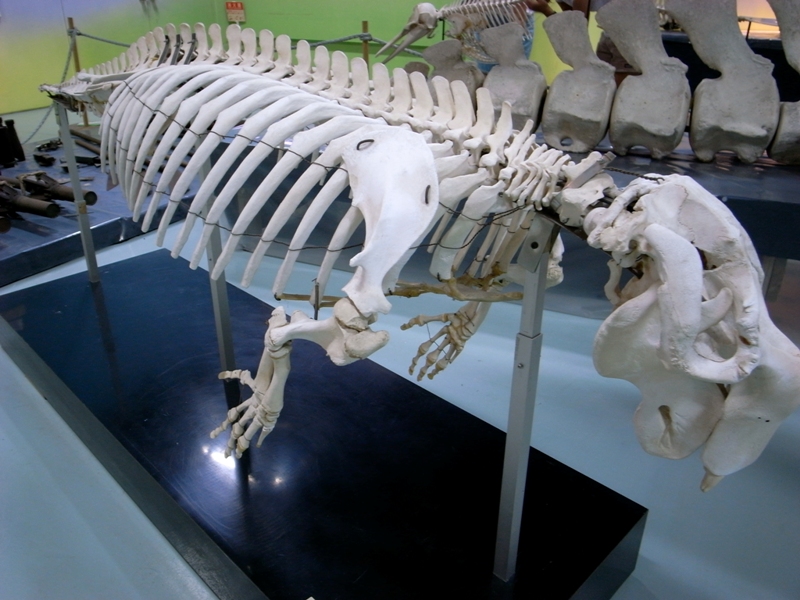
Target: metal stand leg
222	311
219	296
534	258
80	203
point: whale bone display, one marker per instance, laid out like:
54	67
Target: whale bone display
578	103
739	110
649	109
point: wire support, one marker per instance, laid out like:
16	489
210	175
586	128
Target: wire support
364	37
99	39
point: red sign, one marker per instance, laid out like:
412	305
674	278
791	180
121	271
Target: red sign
235	12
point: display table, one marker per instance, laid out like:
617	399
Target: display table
369	487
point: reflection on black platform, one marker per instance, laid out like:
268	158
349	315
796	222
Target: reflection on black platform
369	487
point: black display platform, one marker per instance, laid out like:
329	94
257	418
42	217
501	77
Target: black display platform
369	487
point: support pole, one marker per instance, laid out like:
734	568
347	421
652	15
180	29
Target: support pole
365	43
76	60
219	294
534	258
80	203
219	300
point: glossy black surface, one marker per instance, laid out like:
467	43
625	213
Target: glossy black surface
369	487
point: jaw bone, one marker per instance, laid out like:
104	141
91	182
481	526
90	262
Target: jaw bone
695	338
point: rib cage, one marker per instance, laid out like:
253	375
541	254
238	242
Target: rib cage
273	96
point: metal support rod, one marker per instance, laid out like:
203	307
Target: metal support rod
76	60
523	399
219	300
365	43
80	203
219	295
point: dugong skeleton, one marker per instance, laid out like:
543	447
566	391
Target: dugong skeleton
690	330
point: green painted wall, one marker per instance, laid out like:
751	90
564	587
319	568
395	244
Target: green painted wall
34	42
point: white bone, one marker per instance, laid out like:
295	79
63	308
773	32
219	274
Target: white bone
484	123
302	70
285	105
166	115
276	133
240	104
340	77
335	185
397	206
249	48
330	158
422	109
344	231
358	94
179	127
143	52
401	95
131	130
303	144
464	117
381	92
186	43
233	35
201	51
321	73
694	322
422	22
113	121
479	203
155	44
283	61
266	48
497	140
216	53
